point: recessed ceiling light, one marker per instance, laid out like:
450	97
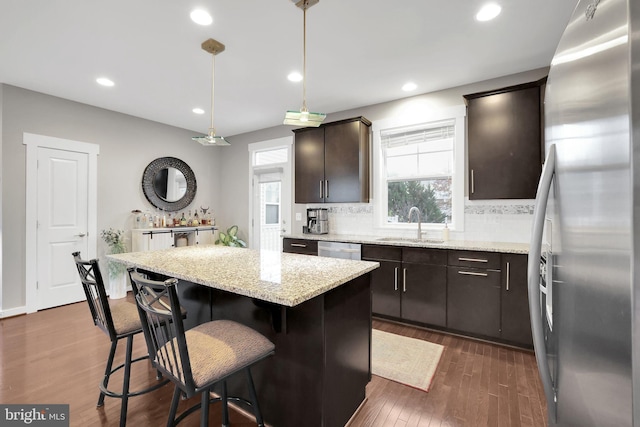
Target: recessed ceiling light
409	86
198	110
201	17
104	81
295	76
488	12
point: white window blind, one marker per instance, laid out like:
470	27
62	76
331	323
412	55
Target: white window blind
270	157
423	151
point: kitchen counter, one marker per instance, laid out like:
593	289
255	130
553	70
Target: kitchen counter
279	278
502	247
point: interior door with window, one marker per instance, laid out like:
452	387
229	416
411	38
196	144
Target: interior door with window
270	193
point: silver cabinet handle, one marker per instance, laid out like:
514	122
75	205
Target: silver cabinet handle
507	276
298	245
473	259
472	273
321	189
473	184
81	234
326	188
395	282
404	280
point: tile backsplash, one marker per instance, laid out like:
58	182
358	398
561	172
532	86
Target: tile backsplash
487	220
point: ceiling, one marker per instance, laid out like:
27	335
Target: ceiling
359	52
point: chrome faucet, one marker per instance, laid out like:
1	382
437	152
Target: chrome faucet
412	210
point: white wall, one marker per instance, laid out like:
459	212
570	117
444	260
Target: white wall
127	145
496	221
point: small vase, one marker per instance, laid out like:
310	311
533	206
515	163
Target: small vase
118	286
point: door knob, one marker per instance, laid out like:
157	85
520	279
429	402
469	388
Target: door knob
81	234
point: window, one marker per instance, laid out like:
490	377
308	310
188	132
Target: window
270	157
421	165
271	198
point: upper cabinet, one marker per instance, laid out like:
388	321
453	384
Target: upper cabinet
332	162
505	142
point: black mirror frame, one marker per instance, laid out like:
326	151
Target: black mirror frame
150	193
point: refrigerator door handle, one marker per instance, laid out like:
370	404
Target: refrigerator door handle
533	279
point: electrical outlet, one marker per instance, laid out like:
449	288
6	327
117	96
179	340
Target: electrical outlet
298	216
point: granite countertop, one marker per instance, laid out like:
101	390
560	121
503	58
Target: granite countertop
280	278
503	247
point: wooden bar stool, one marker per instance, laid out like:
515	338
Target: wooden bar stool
119	321
198	359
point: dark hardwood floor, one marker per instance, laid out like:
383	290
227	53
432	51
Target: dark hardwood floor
58	356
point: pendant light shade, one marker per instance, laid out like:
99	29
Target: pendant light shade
304	117
214	47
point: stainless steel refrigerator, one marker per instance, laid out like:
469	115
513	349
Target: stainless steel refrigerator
584	293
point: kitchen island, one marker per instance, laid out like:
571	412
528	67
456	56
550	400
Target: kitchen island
317	312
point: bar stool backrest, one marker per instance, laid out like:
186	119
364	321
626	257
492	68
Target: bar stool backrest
96	294
161	318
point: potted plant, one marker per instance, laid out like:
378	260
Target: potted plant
117	278
230	238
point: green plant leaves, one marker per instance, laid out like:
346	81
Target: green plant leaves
230	238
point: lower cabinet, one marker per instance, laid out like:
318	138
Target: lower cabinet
163	238
516	323
411	283
473	286
385	280
473	303
483	294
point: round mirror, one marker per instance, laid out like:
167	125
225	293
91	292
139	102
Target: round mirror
169	183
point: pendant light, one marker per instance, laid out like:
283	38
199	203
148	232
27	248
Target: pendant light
304	117
214	47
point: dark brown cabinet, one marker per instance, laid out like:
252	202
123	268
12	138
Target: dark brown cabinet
300	246
410	283
473	293
516	323
385	280
505	141
483	294
332	162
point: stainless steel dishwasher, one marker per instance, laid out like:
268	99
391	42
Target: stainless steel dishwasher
339	250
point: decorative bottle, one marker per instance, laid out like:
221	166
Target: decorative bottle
183	220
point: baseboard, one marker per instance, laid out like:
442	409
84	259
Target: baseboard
16	311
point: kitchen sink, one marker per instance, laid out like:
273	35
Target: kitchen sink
408	239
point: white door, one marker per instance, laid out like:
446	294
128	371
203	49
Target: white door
269	206
62	225
270	193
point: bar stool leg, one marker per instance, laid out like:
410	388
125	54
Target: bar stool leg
107	372
174	406
254	399
125	385
225	406
204	408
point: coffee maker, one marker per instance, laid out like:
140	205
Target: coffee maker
317	221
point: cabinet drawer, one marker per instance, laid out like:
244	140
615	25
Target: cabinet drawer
300	246
474	259
424	256
381	252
